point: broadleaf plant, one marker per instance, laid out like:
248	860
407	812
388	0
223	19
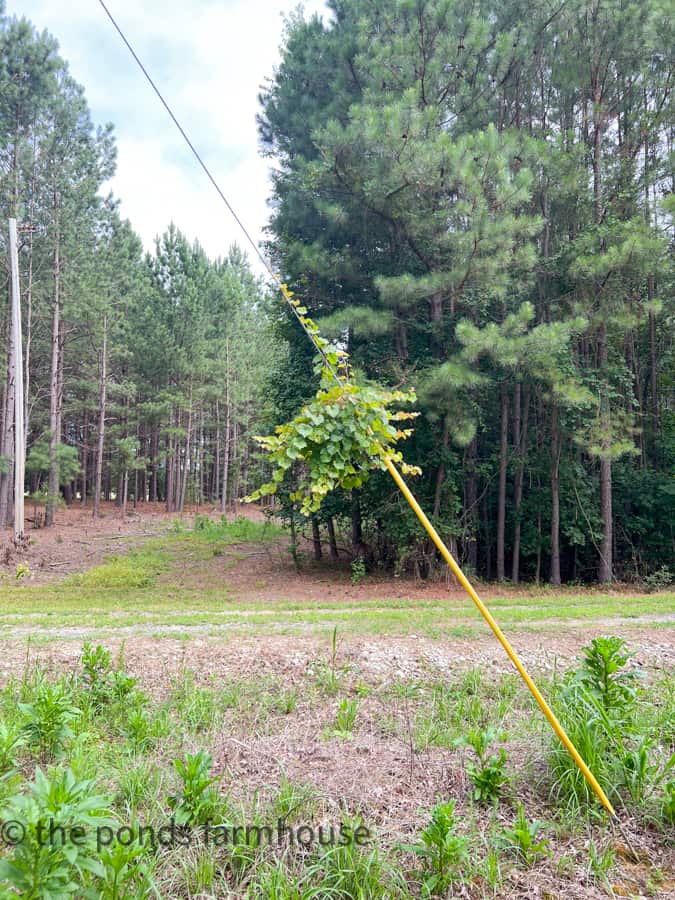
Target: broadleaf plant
338	438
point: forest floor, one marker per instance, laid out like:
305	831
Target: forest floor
351	696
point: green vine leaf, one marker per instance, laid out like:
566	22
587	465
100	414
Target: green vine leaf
337	439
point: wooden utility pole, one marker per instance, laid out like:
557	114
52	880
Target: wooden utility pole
19	434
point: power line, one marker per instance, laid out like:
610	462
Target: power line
284	290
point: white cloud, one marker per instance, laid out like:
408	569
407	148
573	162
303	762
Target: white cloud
210	58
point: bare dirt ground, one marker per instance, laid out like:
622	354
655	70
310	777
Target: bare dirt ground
378	660
264	574
377	770
77	541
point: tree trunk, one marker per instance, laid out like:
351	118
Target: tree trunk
84	478
520	439
154	444
215	486
555	498
186	465
7	436
54	404
103	388
316	539
501	500
332	541
125	492
170	463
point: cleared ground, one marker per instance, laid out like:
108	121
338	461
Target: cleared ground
253	661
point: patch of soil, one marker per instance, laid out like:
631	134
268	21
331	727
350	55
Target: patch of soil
379	661
78	542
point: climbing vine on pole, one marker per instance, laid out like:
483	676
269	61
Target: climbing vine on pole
337	439
341	435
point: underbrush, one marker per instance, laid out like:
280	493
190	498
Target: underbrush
233	531
141	568
137	569
109	792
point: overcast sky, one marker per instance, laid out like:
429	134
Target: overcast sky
209	57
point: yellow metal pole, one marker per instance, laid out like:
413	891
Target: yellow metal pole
466	584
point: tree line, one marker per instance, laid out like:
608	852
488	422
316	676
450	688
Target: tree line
476	200
143	371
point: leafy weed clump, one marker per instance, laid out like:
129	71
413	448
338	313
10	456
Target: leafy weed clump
443	850
600	707
487	774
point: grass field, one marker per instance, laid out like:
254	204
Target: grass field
219	725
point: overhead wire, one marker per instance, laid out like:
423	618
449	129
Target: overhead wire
280	285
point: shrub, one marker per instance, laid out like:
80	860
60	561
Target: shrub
358	568
40	867
659	579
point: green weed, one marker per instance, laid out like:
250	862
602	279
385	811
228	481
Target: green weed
197	802
444	851
487	774
48	718
138	569
524	839
358	568
40	867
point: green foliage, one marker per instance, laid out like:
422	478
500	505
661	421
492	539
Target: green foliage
11	741
22	571
659	579
197	802
345	717
126	871
487	774
329	674
524	839
603	674
339	437
668	802
97	674
238	530
358	567
48	718
458	228
135	570
199	708
350	871
601	862
444	851
39	867
37	460
599	706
